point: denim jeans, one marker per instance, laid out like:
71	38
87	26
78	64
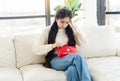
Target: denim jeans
74	65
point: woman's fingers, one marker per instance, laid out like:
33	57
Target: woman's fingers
57	45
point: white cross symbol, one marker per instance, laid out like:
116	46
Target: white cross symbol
68	49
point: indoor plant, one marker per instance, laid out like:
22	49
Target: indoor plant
72	5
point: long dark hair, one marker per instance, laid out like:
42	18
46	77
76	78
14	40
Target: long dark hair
62	13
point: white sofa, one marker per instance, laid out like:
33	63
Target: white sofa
19	63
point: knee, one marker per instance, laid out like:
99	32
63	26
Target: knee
74	55
78	56
71	68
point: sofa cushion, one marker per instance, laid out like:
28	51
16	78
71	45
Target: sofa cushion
7	52
105	68
118	44
101	41
40	73
24	53
10	74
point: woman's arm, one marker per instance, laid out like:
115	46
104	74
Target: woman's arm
41	46
77	33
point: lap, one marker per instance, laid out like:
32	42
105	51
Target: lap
64	62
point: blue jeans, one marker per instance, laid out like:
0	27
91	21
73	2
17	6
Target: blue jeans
74	65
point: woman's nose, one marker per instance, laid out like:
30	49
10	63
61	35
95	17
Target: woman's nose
65	25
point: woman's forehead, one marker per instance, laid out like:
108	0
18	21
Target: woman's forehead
65	19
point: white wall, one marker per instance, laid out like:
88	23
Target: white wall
90	12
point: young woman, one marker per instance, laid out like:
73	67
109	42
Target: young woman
60	33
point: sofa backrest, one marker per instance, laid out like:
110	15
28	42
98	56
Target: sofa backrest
7	52
24	53
101	41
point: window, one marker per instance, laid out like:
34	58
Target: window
101	12
108	12
79	18
20	15
21	7
53	4
113	12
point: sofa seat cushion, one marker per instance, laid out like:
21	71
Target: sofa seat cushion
10	74
105	69
40	73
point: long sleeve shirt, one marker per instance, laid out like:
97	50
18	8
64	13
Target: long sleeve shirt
41	46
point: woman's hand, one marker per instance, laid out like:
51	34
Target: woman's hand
72	24
56	45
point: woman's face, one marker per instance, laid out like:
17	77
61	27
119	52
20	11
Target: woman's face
63	23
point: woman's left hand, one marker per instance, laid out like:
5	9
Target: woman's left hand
72	24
